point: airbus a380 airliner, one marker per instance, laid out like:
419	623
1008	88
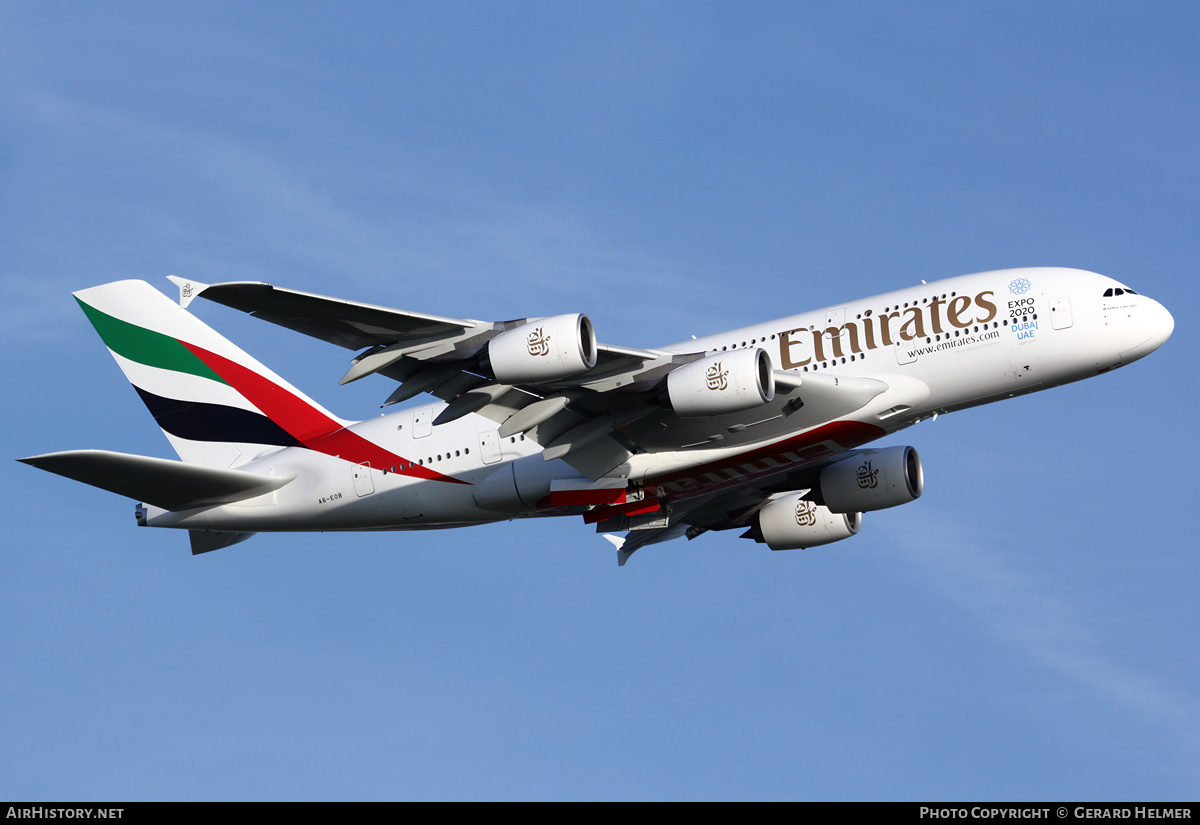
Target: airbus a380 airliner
760	429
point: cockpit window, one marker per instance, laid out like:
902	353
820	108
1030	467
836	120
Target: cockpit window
1112	292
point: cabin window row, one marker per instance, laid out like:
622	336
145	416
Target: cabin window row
859	316
421	462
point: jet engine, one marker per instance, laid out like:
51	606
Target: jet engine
725	383
546	350
872	480
793	522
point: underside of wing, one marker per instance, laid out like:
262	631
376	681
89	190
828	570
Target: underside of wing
688	519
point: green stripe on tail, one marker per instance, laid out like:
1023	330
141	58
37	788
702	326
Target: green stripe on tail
146	346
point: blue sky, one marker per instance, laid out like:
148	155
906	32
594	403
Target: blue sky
1027	630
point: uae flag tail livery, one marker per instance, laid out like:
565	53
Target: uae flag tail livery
217	405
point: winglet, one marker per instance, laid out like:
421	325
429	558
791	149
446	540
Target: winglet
619	542
187	289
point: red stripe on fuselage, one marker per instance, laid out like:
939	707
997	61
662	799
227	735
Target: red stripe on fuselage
307	424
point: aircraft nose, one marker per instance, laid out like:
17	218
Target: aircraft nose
1154	326
1159	321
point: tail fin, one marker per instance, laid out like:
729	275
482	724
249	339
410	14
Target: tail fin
216	405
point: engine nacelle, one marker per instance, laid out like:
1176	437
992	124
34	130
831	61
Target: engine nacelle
872	480
547	350
725	383
792	522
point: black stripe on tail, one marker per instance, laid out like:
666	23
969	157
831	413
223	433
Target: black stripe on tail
214	422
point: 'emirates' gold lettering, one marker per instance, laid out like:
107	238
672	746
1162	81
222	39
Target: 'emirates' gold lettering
805	346
956	309
914	327
787	357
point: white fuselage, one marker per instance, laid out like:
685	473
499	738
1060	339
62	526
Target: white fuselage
939	347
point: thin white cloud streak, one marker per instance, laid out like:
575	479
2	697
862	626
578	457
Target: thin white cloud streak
1045	625
254	216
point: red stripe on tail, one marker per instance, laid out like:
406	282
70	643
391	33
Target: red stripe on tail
308	425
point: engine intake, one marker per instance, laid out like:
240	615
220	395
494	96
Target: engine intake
725	383
793	522
547	350
873	480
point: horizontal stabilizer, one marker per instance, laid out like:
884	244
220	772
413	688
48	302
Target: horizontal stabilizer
172	485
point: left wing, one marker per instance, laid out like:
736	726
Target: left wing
348	324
